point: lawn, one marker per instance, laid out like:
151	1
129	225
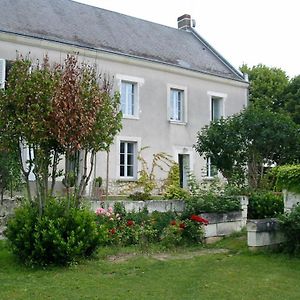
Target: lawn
226	270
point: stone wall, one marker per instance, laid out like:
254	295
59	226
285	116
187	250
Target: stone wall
6	210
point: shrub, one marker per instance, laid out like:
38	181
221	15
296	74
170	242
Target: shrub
60	236
140	196
290	226
211	203
265	205
287	177
172	186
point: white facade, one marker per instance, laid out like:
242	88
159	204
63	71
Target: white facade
164	106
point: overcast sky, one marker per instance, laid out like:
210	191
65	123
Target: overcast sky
251	32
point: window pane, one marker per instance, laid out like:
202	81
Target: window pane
122	147
130	159
129	147
176	105
122	171
122	159
216	108
128	97
130	171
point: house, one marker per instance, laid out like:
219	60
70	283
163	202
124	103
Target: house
172	82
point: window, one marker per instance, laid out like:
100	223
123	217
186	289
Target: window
128	98
176	105
216	108
128	159
211	170
2	73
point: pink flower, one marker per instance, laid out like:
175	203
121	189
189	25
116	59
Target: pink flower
100	211
110	209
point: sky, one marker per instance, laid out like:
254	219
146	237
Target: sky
243	32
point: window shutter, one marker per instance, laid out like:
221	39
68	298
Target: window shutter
2	73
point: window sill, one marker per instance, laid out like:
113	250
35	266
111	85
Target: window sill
210	178
126	179
177	122
131	117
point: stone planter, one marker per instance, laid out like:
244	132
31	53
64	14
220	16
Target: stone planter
263	233
222	224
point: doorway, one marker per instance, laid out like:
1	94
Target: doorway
184	168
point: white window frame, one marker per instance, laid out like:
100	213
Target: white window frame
137	82
183	89
219	96
136	162
2	73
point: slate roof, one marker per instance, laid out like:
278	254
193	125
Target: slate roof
86	26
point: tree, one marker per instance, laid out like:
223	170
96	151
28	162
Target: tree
267	86
222	142
53	111
292	99
251	140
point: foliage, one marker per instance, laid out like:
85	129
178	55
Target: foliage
58	237
172	185
98	181
10	175
147	176
224	144
211	203
240	141
143	228
210	197
139	196
287	177
290	226
267	86
291	99
265	205
53	110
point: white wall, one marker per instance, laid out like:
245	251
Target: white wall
153	128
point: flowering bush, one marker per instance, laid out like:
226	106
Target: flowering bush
144	228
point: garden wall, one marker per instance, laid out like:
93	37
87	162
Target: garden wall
6	210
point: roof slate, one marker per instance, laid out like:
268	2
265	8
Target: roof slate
74	23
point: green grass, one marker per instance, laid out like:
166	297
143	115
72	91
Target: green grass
237	274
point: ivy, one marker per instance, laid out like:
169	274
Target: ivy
287	177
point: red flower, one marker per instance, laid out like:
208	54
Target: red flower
130	223
199	219
173	222
112	231
182	225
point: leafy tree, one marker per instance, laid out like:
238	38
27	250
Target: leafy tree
267	86
271	137
55	110
25	108
292	99
224	144
251	140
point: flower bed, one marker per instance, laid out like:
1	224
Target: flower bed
118	227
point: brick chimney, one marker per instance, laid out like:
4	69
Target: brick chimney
184	22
